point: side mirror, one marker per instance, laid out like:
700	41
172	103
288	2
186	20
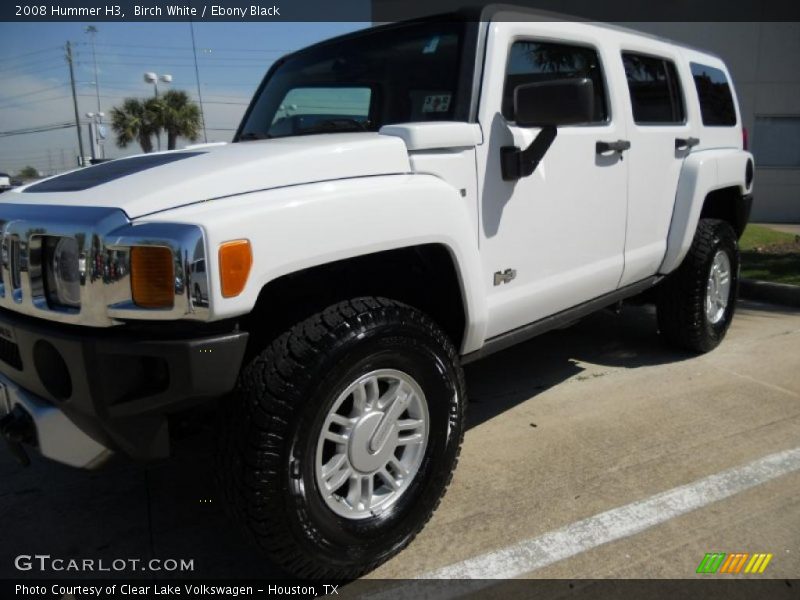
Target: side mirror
554	103
548	105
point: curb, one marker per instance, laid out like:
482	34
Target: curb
776	293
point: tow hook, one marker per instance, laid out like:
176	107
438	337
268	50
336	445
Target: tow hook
17	428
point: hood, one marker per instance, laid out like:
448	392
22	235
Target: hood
150	183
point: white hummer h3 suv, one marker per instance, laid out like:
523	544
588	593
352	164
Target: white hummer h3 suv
396	203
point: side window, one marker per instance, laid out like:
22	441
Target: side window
530	62
655	90
714	92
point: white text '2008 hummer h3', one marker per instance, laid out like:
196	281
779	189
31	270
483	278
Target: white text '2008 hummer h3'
395	203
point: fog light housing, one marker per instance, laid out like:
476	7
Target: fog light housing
62	272
152	277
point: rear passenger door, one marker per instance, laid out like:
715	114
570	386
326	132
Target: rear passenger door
661	136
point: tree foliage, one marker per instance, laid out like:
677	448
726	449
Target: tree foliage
28	172
139	120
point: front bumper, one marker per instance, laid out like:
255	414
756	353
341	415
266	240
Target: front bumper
90	391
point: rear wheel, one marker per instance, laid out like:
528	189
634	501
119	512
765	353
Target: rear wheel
344	437
696	303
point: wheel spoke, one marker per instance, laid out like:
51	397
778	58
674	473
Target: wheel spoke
333	465
340	420
388	479
366	396
367	490
395	409
413	430
398	467
354	498
338	477
414	438
410	424
360	399
336	438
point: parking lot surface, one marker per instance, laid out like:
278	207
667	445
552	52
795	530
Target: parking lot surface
594	451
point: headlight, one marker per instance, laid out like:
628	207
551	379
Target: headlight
62	272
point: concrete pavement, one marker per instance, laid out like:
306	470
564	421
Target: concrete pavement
784	227
567	426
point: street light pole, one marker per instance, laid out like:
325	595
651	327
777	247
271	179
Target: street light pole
197	79
154	78
95	122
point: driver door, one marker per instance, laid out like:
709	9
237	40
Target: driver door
561	230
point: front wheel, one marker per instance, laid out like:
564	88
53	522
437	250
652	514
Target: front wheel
696	303
344	437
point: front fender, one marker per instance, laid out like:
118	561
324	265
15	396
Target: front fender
294	228
702	173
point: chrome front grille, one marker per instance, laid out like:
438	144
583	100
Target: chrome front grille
104	237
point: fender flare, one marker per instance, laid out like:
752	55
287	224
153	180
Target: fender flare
702	173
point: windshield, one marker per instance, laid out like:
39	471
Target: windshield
401	74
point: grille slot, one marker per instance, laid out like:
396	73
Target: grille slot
9	354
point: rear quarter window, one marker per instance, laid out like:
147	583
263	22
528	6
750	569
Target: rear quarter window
714	93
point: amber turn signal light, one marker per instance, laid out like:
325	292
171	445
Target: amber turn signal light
152	277
235	260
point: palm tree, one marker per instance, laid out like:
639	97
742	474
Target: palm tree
134	121
178	116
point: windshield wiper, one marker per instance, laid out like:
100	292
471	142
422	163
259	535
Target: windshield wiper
333	125
252	135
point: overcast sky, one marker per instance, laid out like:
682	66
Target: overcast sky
35	92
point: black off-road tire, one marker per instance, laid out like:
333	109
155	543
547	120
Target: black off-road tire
266	455
681	298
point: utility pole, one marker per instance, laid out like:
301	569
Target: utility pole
75	101
197	79
92	31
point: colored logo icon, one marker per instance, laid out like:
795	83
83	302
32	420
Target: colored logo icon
734	563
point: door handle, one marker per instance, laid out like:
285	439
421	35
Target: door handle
618	146
686	143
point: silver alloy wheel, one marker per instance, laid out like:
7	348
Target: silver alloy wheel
372	443
718	287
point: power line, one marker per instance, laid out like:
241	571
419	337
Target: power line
38	129
48	49
24	103
50	68
172	55
149	47
138	63
28	65
230	103
122	97
55	87
116	57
